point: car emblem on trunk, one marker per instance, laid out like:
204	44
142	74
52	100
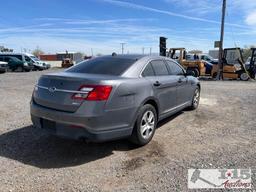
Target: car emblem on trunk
52	89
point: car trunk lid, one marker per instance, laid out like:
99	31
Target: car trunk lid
55	91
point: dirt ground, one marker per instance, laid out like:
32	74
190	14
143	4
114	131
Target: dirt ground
221	133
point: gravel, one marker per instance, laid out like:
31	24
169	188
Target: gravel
219	134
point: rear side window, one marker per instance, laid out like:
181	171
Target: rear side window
148	71
18	57
159	67
175	69
102	65
7	59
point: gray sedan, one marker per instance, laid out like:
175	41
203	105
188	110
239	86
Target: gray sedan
113	97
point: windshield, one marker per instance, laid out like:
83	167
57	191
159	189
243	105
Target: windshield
34	58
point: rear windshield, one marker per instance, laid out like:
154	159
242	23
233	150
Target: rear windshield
103	65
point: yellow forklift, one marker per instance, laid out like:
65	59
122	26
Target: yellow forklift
233	65
67	61
195	67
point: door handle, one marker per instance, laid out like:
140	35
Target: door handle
157	83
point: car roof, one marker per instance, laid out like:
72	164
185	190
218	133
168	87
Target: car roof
134	56
124	56
11	53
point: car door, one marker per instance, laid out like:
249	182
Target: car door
182	83
10	63
163	85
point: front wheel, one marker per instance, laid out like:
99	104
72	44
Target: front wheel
244	77
145	125
20	69
196	99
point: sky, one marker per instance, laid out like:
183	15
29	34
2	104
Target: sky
99	26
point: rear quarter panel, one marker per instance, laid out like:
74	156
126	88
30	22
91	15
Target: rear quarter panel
128	97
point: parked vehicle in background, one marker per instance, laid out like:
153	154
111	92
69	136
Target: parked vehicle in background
204	57
15	64
3	66
208	58
112	97
39	65
67	62
30	59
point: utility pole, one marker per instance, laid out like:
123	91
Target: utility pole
91	51
143	49
150	50
122	45
220	68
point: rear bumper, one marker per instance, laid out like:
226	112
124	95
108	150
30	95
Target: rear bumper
77	126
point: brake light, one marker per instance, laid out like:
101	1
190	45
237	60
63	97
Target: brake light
93	92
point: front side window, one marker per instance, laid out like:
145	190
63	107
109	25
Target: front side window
18	57
159	67
28	59
175	69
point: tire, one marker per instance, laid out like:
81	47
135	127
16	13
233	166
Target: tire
20	69
190	72
244	77
196	72
214	75
196	99
145	125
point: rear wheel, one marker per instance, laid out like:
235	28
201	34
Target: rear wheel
20	69
145	125
214	75
196	99
196	71
193	71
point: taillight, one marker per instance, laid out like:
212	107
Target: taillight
93	92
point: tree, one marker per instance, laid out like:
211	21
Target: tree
37	52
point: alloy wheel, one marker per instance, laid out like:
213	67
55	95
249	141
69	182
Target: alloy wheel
196	97
147	124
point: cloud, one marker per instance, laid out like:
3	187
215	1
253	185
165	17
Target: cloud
198	7
92	21
251	19
170	13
